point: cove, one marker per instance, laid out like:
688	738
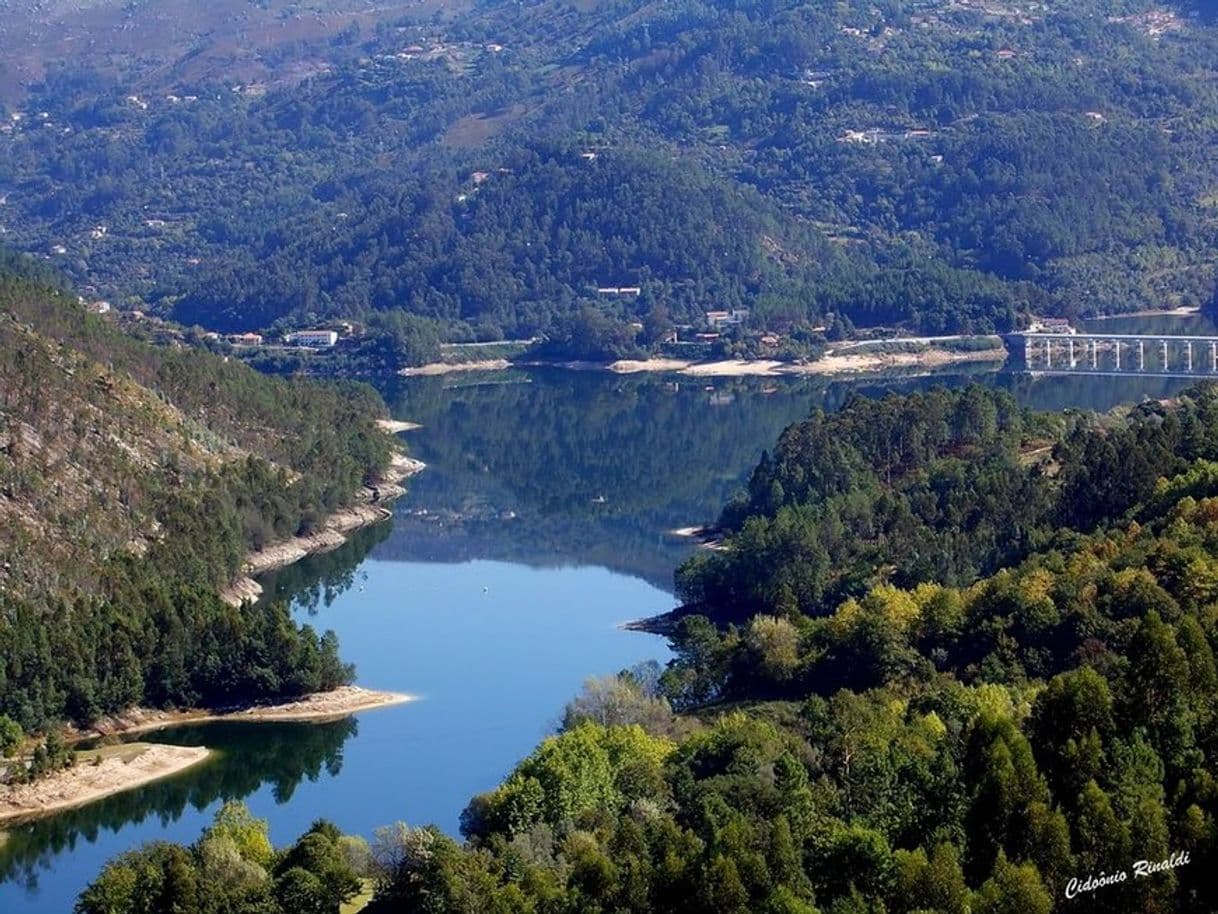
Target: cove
539	526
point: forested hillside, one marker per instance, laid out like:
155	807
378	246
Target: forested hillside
1002	744
943	486
942	166
134	479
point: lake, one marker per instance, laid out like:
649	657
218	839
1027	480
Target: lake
540	524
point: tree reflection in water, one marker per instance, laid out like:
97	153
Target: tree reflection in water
248	755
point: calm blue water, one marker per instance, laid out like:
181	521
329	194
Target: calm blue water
538	526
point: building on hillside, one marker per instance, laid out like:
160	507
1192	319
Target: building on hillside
322	339
618	290
245	339
1051	325
717	320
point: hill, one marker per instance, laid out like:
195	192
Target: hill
133	480
1037	737
945	168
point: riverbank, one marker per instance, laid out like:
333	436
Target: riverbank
833	363
707	537
436	368
112	769
318	707
396	426
98	774
664	625
369	509
1181	311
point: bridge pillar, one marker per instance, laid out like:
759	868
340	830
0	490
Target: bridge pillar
1017	346
1071	352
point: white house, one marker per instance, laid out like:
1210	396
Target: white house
320	338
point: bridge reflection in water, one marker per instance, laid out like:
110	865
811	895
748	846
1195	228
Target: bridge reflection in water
1161	355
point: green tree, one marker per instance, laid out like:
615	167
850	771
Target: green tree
250	836
931	883
1013	889
298	890
158	877
11	736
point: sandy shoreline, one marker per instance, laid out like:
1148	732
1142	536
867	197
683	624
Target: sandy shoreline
395	426
706	536
319	707
833	363
437	368
333	532
86	782
126	766
689	531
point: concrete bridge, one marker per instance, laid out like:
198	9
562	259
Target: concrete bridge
1161	355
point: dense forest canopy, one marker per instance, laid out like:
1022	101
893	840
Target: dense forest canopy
942	486
134	479
945	167
1000	743
950	655
233	867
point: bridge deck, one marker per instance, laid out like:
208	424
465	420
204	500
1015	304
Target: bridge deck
1157	337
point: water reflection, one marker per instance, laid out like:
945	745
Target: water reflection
1088	392
488	595
247	756
279	756
565	468
557	467
316	583
1186	324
